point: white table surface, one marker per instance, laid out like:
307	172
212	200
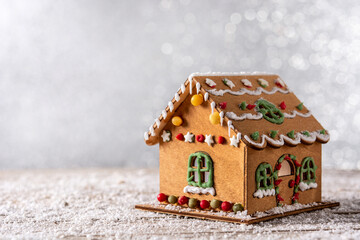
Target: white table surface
99	203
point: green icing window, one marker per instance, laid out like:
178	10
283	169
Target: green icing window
200	170
264	177
308	169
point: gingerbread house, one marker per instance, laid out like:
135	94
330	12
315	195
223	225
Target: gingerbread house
237	141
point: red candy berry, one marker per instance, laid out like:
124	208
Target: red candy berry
277	182
161	197
279	198
279	84
296	196
222	105
278	166
180	137
221	140
292	183
183	200
200	138
250	106
283	105
297	163
287	158
226	206
297	180
204	204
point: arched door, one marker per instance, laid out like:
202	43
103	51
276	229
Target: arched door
285	176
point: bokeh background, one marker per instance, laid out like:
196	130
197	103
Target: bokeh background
81	80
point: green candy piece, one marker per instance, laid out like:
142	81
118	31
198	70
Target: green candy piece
255	135
237	208
291	134
322	132
269	111
300	106
215	203
193	202
306	133
273	133
172	199
242	105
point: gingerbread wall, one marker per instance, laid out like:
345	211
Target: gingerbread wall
271	156
228	161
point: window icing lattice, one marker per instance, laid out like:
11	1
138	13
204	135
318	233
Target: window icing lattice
200	170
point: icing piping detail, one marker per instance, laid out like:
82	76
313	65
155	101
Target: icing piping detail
294	113
243	91
244	116
182	87
171	106
198	190
221	118
198	87
206	96
177	97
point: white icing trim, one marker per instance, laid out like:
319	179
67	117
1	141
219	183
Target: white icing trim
264	193
294	113
157	121
213	104
258	116
210	82
198	87
164	114
182	87
304	186
243	91
246	82
146	136
283	138
198	190
199	74
221	118
228	83
171	106
177	97
232	115
152	131
206	96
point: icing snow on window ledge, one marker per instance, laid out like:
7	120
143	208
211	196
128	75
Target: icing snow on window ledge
264	193
304	186
198	190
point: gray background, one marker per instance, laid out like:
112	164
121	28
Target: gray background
80	81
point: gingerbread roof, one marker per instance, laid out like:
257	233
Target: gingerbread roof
259	107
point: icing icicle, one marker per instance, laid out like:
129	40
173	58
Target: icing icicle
152	131
221	118
171	106
206	96
164	114
157	121
230	126
198	87
213	107
243	91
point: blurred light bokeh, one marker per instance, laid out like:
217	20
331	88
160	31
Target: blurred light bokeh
81	80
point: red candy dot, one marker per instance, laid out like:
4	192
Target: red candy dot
287	158
292	183
200	138
278	166
277	182
283	105
250	106
161	197
226	206
279	198
222	105
183	200
180	137
296	196
204	204
221	139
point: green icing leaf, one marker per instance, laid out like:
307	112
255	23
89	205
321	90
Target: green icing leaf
242	106
291	134
322	132
273	133
306	133
255	135
300	106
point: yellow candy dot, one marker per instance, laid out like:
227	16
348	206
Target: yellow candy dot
197	99
214	118
177	121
